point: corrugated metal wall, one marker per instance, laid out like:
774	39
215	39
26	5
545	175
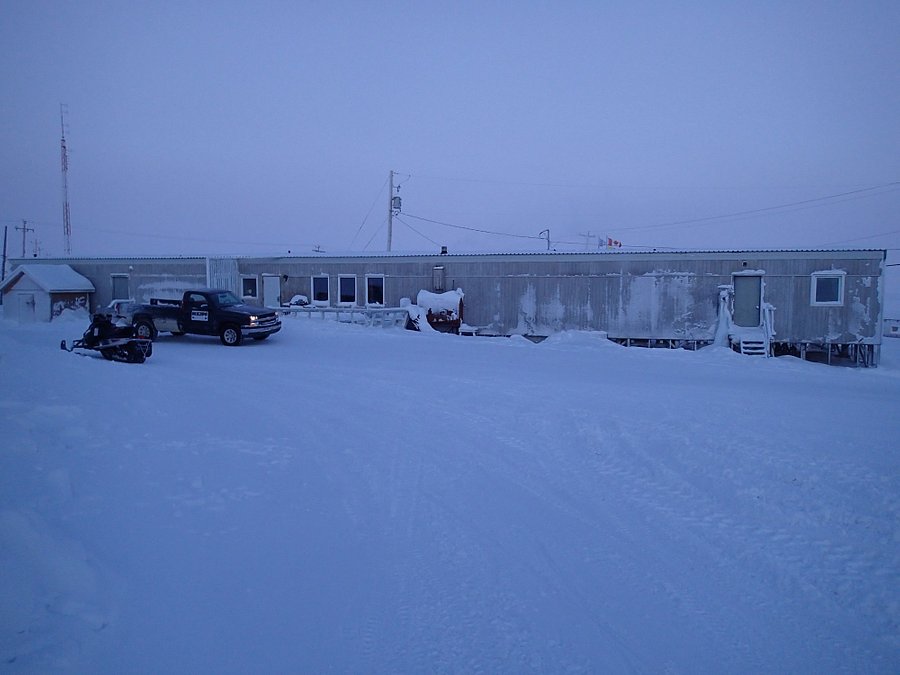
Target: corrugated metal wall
640	296
147	277
667	296
223	273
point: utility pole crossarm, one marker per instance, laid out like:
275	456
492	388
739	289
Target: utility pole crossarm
25	230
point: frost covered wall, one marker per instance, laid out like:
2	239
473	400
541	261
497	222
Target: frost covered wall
135	278
666	296
670	296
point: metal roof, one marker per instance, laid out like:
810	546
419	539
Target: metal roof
468	254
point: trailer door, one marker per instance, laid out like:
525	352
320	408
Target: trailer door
747	301
271	291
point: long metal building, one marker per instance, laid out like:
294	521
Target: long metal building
826	302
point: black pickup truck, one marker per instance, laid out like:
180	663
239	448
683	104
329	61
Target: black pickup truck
205	311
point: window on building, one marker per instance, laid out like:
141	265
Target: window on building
346	289
375	290
249	287
437	279
119	284
320	290
827	288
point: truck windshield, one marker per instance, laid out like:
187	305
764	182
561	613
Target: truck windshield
226	299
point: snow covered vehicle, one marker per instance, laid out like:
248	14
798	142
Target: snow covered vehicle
115	343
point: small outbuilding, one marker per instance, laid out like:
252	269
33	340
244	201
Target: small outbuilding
42	292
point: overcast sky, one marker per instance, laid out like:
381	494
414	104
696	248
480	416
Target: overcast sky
239	127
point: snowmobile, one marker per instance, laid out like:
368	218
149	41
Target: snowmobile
115	343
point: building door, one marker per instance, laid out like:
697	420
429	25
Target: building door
747	301
25	308
271	290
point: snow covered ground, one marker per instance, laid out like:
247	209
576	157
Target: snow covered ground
352	499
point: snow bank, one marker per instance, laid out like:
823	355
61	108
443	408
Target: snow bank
74	316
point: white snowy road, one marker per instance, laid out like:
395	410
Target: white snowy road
367	500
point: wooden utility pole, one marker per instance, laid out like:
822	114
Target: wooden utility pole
3	268
25	229
390	209
547	232
587	238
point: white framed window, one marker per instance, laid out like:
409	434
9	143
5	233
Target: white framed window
249	287
320	290
119	284
375	290
346	290
827	289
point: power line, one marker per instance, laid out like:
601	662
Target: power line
559	242
692	221
31	221
871	236
852	194
475	229
375	233
369	213
198	239
609	186
401	221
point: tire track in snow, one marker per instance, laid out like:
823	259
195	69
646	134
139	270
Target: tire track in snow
779	557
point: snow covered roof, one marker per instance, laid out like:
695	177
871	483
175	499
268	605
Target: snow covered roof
50	278
655	252
574	253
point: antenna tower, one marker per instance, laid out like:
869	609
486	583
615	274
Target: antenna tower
64	157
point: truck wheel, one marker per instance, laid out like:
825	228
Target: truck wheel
144	329
230	336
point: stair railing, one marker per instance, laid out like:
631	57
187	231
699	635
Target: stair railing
768	326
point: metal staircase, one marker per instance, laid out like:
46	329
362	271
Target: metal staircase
749	340
754	345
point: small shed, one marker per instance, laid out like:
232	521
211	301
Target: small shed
41	292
